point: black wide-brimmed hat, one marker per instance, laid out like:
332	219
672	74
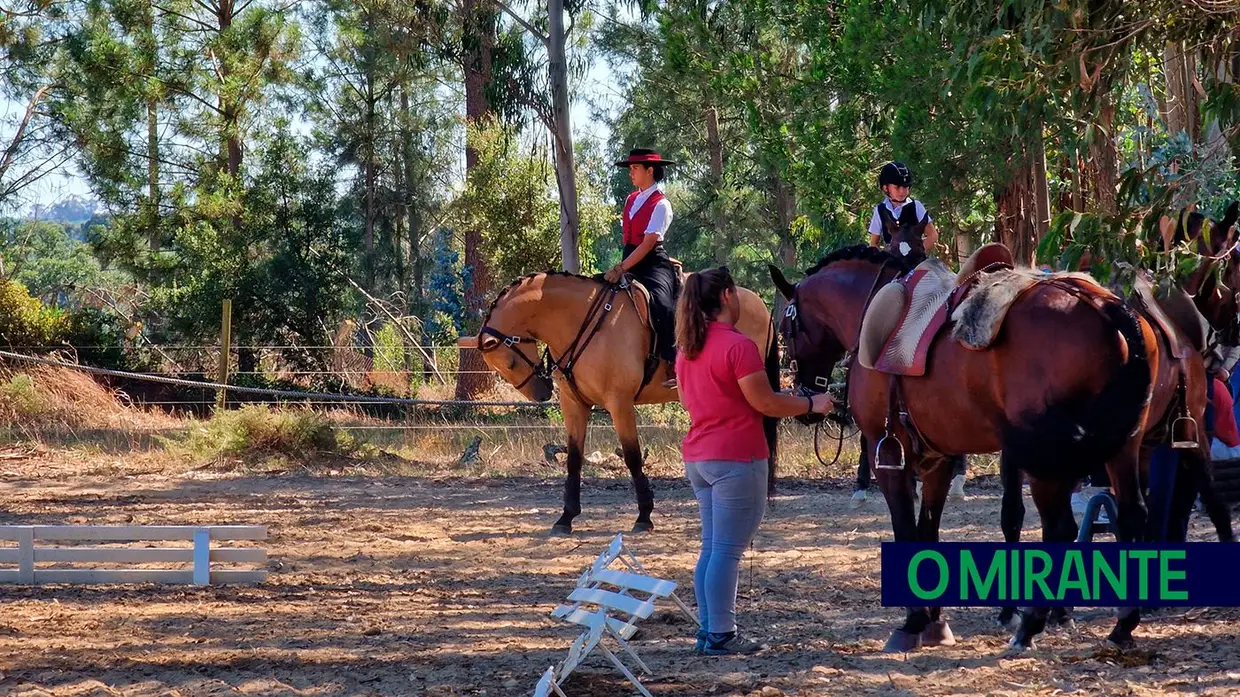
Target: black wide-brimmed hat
643	156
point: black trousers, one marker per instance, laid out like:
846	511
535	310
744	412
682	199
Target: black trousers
659	277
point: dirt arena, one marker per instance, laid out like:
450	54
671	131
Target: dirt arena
440	585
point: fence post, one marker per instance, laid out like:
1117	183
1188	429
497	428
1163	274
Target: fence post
202	557
25	555
225	349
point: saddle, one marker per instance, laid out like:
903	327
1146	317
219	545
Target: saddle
1174	313
640	296
906	315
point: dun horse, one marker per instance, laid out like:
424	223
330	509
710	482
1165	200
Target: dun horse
1013	382
596	349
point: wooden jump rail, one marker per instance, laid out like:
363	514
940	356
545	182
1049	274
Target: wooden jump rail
201	554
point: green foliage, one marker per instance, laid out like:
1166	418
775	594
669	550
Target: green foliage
24	321
258	433
511	198
53	262
284	266
21	401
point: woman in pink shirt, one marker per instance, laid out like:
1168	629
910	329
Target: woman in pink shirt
724	387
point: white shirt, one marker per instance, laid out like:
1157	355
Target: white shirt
660	217
876	223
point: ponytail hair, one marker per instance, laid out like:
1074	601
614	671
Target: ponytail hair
699	304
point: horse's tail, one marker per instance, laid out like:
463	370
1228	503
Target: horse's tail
1079	433
770	424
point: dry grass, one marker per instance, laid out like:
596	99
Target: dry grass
40	399
66	407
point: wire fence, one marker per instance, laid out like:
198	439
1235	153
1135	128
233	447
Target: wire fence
200	384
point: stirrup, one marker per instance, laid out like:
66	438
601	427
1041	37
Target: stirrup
878	449
1179	439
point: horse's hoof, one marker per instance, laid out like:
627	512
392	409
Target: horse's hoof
1120	642
1007	616
561	530
1065	624
643	526
901	641
858	499
938	634
1018	645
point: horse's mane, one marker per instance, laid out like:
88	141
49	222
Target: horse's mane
526	277
860	252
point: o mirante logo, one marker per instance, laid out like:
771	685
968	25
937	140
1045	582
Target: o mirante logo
1099	575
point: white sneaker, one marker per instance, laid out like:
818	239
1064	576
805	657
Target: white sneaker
858	498
957	489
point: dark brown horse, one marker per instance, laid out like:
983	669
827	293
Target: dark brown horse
1214	332
1029	395
1178	394
595	348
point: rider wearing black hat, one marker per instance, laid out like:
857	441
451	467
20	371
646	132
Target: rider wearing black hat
895	180
647	216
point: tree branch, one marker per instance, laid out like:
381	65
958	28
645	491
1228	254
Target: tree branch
11	152
546	40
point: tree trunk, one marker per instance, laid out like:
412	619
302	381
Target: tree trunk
152	174
714	144
1040	189
414	225
785	207
1014	223
368	166
479	22
1217	148
1180	110
230	111
1103	153
149	66
565	174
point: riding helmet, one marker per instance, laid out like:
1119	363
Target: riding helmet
895	173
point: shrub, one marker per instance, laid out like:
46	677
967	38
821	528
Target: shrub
25	322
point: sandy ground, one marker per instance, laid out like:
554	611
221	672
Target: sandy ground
384	585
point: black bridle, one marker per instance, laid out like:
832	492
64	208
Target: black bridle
546	367
841	417
541	370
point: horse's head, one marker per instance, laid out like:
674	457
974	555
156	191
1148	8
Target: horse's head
823	321
1215	286
813	350
511	350
515	358
907	239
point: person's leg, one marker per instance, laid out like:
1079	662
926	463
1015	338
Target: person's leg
1163	465
738	505
659	278
702	490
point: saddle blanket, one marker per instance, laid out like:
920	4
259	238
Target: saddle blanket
927	290
979	317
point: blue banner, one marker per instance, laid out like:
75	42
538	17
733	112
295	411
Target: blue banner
1101	574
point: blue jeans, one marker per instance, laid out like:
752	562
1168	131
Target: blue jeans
732	500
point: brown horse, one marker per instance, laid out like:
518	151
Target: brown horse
1028	394
1215	334
1178	395
596	347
